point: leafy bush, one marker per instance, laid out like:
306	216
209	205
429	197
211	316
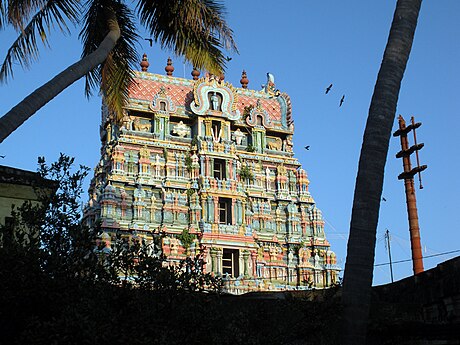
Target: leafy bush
246	173
251	148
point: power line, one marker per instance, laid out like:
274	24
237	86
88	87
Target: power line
425	257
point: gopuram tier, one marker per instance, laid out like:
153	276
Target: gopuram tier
204	158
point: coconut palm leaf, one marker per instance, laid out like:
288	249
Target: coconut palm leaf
115	74
19	12
191	28
3	12
194	29
24	49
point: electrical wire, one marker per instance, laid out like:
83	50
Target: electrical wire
425	257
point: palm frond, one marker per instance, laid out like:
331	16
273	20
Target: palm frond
195	29
3	13
19	12
24	49
115	74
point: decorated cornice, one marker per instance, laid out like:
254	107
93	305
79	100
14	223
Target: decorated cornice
211	84
160	97
256	112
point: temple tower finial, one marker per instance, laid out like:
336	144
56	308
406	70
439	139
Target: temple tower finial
244	80
195	73
169	67
144	63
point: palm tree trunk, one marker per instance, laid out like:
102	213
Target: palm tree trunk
45	93
369	182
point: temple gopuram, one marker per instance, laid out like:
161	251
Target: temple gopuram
211	168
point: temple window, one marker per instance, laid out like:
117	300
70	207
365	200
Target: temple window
163	106
259	120
225	211
230	262
219	169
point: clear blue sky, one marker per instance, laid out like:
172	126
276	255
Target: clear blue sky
307	45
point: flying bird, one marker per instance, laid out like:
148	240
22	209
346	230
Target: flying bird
150	40
383	199
341	100
228	58
328	89
307	147
2	156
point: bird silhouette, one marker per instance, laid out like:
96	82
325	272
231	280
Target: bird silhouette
228	58
307	147
341	100
383	199
150	40
328	89
2	156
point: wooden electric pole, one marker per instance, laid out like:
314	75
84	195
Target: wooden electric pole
408	177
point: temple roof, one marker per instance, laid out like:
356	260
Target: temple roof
181	93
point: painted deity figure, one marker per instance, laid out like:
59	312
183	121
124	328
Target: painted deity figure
123	196
152	207
157	165
214	101
278	212
139	195
290	257
292	181
270	86
127	122
195	165
288	144
238	136
304	255
316	258
267	178
195	160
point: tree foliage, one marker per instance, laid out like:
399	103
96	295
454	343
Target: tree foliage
48	251
246	173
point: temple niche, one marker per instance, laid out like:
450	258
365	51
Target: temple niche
218	160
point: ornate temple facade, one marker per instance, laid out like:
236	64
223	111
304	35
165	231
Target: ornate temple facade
211	168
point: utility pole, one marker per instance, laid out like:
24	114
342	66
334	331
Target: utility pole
387	236
408	177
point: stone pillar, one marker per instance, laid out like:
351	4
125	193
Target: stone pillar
229	172
203	207
202	164
254	263
216	209
208	129
238	213
210	209
207	167
245	263
213	260
211	167
219	261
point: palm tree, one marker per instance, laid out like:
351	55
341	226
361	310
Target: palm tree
369	182
194	29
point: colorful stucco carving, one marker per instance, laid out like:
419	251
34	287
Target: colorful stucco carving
218	161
